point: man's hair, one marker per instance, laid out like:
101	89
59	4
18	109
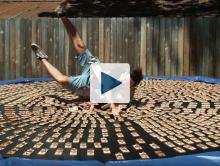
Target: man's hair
136	76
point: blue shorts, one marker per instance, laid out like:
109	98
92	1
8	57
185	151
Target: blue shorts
83	80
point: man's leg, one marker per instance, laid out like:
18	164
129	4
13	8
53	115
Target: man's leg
74	36
55	73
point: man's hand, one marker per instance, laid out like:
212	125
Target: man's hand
115	109
88	106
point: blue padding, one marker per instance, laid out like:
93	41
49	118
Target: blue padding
25	80
28	162
203	159
183	78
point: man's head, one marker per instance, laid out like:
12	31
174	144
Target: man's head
136	77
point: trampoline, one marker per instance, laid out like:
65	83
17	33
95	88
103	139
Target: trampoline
168	117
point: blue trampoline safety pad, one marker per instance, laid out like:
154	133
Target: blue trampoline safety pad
29	162
203	159
184	78
25	80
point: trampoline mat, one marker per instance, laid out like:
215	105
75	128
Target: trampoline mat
167	118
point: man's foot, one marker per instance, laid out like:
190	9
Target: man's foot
62	8
116	111
106	106
38	51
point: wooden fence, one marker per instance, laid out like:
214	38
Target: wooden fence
161	46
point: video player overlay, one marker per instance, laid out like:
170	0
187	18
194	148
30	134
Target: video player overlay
41	120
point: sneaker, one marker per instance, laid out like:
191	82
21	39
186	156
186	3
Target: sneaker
39	52
62	8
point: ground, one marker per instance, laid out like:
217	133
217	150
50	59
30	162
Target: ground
26	9
166	118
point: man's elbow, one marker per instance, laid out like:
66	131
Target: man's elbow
63	80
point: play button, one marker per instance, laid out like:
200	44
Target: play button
108	83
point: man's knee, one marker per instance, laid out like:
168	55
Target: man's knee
63	80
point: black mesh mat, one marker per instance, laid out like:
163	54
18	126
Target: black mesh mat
167	118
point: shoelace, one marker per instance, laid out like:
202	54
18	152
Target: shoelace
41	54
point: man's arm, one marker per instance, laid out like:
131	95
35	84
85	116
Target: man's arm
75	38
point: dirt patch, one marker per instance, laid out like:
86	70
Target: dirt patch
26	9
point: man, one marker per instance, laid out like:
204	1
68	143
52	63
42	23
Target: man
79	84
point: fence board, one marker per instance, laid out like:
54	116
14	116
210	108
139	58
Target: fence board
168	44
12	48
192	41
113	36
95	36
119	41
161	46
161	60
107	38
212	51
180	47
125	40
90	41
149	46
2	34
205	47
155	48
131	46
217	49
137	42
6	54
101	39
200	44
186	45
143	45
174	52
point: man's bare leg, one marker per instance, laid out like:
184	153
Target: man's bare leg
74	36
55	73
